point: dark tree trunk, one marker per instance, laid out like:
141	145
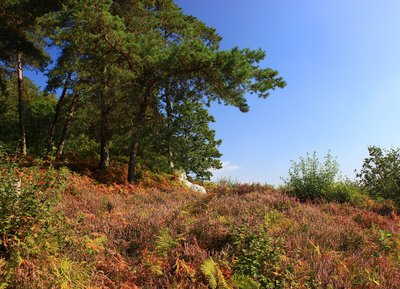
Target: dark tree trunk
140	121
67	125
132	169
104	131
104	153
21	104
169	125
52	131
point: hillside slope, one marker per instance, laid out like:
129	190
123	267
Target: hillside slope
237	236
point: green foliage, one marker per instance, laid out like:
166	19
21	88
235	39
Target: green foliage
380	174
385	240
39	113
32	233
165	242
259	256
26	212
136	80
193	143
68	274
244	282
18	31
82	147
346	191
24	205
311	179
213	274
39	109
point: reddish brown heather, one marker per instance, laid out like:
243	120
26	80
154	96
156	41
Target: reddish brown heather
327	245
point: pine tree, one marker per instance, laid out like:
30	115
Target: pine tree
21	46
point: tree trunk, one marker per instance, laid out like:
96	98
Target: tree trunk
67	126
132	169
104	129
52	131
21	104
168	109
140	120
104	153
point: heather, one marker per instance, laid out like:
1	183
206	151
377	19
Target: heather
79	232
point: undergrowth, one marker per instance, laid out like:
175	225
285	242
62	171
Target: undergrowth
65	230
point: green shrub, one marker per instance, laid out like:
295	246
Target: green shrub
32	233
311	179
346	191
26	203
82	147
380	174
259	256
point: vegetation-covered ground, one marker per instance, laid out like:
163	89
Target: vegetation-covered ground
63	229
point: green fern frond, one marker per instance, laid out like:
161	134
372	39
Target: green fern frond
213	274
244	282
3	274
209	269
3	265
164	242
222	283
69	274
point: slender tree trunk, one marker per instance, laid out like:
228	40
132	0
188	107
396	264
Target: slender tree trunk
169	124
104	129
67	125
132	168
21	104
104	153
141	119
52	131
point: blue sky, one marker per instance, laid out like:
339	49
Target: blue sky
341	60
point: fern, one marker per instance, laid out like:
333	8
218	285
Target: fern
244	282
3	273
166	242
209	270
69	274
213	274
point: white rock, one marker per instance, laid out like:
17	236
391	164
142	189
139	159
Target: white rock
194	187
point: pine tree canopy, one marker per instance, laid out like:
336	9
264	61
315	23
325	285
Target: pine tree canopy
135	79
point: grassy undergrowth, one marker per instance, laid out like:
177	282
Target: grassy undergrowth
66	230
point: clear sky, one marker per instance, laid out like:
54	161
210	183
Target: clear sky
341	60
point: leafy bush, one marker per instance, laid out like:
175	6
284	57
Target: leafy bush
346	191
35	243
380	174
82	147
311	179
258	255
26	203
22	206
